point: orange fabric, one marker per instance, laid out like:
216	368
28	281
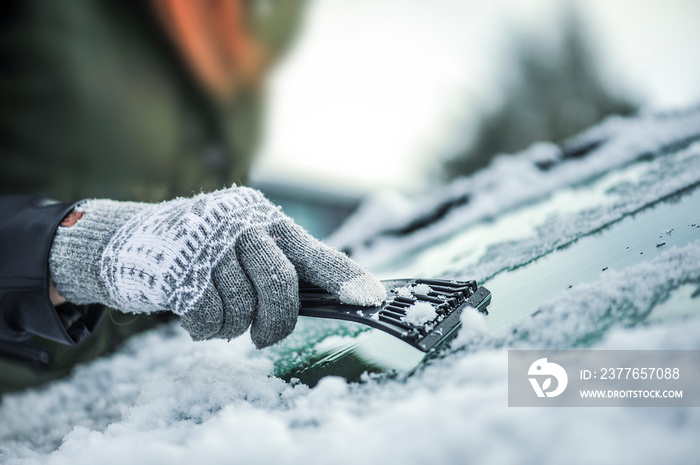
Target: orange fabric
212	36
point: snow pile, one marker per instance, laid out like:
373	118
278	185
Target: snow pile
453	412
408	291
420	313
165	399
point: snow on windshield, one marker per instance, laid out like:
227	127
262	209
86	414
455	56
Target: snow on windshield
164	399
509	182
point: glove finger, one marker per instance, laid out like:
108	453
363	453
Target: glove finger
326	267
203	320
237	296
276	285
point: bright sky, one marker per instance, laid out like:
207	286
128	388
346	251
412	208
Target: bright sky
375	91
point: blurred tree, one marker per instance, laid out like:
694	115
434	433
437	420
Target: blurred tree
553	96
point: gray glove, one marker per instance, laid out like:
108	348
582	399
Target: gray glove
222	261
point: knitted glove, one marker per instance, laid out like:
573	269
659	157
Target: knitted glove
222	261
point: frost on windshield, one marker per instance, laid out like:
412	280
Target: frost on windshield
164	399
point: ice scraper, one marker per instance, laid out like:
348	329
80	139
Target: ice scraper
421	312
419	315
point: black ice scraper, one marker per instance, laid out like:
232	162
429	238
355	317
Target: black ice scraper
446	297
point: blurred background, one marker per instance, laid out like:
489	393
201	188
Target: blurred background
409	94
153	100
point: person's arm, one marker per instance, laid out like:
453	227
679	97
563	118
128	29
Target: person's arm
223	262
27	227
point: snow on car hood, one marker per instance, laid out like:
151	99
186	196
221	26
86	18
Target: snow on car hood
165	399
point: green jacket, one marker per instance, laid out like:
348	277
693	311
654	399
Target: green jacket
96	101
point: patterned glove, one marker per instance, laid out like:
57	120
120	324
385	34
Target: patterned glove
222	261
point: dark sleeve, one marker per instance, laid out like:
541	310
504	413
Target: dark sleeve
27	226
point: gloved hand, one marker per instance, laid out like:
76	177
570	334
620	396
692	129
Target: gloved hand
222	261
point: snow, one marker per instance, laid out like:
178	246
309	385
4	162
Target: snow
164	399
421	288
520	236
589	309
404	291
409	291
510	182
420	313
455	412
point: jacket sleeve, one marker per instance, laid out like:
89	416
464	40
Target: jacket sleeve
27	227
